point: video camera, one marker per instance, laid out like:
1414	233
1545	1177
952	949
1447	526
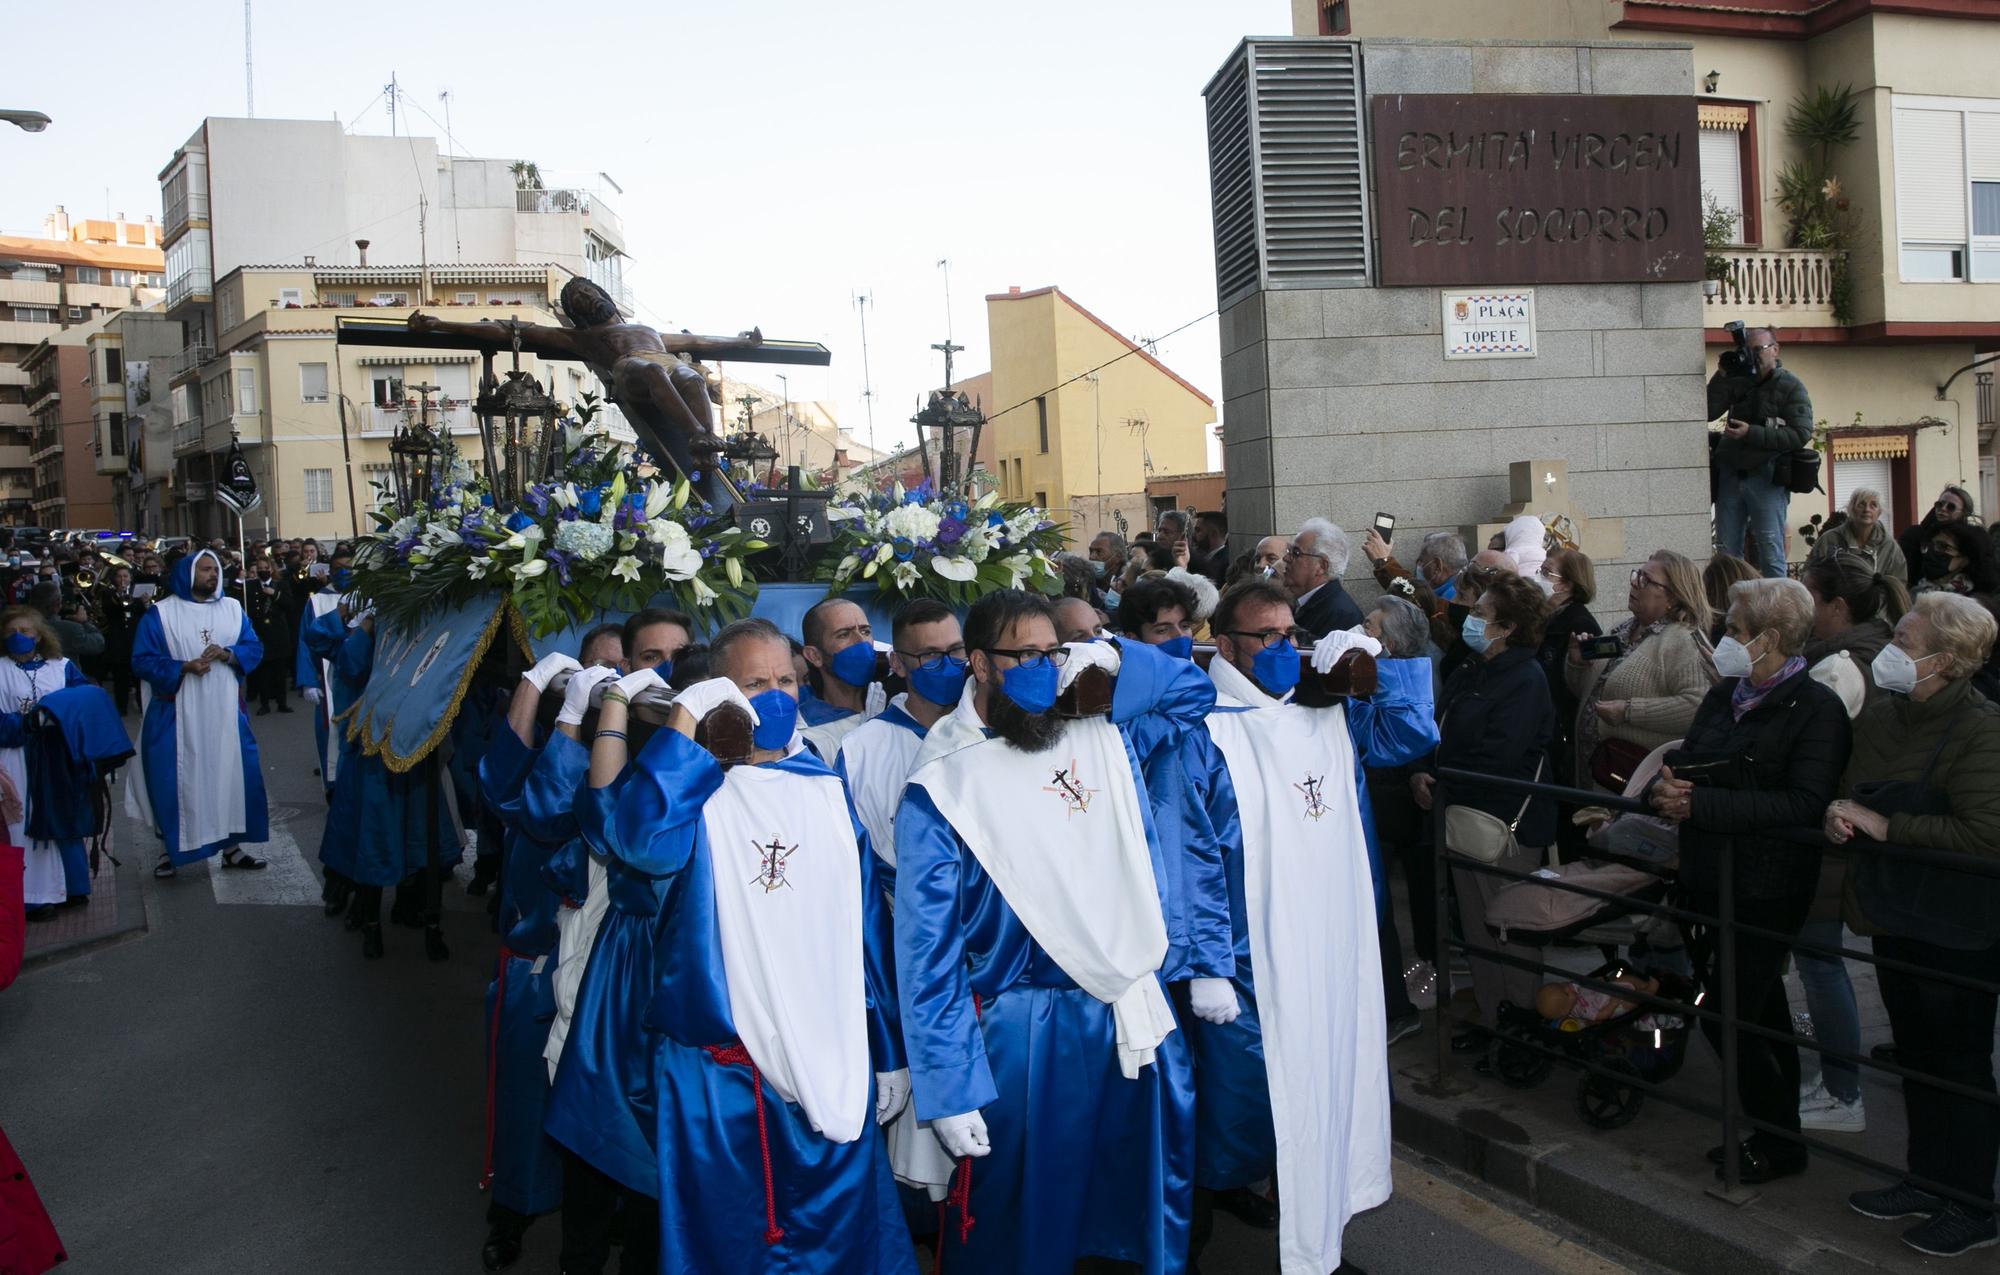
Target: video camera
1737	361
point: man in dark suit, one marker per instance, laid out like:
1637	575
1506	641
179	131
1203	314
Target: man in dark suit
1314	563
1211	546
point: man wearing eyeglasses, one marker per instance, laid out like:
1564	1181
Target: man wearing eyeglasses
1770	417
1030	935
843	693
1309	1052
1314	563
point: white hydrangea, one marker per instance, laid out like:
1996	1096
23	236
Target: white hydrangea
587	540
911	522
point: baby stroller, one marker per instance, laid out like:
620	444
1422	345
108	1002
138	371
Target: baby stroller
1646	1042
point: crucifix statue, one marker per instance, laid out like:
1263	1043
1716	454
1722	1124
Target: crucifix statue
665	397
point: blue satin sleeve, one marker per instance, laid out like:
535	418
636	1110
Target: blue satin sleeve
13	730
653	825
949	1074
1211	940
150	657
247	652
354	657
1157	696
878	958
548	794
305	666
73	676
503	769
1398	724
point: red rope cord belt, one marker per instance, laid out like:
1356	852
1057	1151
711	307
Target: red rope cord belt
737	1055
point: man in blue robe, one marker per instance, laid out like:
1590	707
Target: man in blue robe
1030	933
309	671
193	651
1308	764
776	1054
840	659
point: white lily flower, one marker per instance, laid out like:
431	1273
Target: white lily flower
907	575
703	595
959	569
657	497
476	568
626	568
531	568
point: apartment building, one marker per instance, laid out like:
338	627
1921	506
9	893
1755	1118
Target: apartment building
68	277
269	229
1886	325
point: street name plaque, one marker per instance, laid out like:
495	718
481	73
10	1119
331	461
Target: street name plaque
1558	188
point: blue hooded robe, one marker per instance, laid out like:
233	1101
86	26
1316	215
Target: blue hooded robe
153	661
1084	1162
835	1204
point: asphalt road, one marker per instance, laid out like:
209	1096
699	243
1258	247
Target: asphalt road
238	1091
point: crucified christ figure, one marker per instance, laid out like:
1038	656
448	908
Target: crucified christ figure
666	399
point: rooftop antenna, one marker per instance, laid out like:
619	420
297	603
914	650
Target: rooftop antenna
390	92
249	83
451	147
862	301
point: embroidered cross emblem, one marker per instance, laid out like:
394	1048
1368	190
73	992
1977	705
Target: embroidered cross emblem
1068	785
771	865
1315	803
205	641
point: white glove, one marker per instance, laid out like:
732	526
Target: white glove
546	669
576	696
703	698
892	1094
312	694
1214	1000
962	1136
878	699
1328	650
638	680
1083	655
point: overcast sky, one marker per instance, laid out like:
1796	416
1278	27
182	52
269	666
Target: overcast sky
776	158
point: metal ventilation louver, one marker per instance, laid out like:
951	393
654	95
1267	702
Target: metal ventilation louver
1286	176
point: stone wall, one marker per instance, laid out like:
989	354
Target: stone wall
1340	402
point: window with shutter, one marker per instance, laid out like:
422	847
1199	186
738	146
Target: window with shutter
1930	193
1874	474
1722	174
312	382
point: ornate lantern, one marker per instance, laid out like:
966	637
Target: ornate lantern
957	421
528	448
414	455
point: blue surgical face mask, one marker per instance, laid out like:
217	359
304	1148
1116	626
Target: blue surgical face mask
20	643
342	579
665	668
941	681
1032	689
1276	668
777	718
854	665
1474	633
1097	568
1181	647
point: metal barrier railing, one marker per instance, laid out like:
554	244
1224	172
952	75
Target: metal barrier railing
1732	1026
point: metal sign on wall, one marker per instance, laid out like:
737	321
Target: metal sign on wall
1490	325
1547	188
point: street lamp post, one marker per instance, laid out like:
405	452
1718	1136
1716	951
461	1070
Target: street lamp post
31	121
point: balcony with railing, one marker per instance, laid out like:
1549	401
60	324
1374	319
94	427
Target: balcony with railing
187	437
188	361
383	422
195	285
1784	287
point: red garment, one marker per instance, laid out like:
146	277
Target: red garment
28	1241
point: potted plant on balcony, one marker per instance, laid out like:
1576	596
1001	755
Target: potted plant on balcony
1823	121
1718	229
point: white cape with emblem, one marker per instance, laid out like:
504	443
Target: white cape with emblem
1062	836
208	751
787	872
1310	900
20	689
320	604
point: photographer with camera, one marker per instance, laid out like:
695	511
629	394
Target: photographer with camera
1769	418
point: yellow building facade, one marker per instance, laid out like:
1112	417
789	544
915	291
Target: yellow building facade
1083	446
1921	185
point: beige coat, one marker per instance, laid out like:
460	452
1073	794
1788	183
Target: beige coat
1662	681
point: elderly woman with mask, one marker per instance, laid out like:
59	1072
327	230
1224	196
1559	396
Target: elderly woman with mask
1926	774
1864	533
1748	786
1646	695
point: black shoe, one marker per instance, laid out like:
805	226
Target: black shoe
502	1249
434	946
355	920
1758	1163
1955	1231
1468	1040
286	708
1248	1207
263	709
1405	1025
1892	1202
47	912
371	941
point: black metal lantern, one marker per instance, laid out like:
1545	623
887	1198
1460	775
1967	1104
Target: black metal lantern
415	455
954	417
528	449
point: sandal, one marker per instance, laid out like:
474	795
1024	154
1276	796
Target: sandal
165	869
242	860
